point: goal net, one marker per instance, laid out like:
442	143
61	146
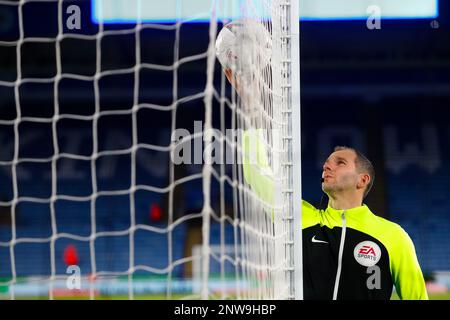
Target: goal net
130	166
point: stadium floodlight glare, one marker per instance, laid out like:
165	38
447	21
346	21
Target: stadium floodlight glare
170	11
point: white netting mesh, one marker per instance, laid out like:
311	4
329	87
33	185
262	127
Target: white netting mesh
96	217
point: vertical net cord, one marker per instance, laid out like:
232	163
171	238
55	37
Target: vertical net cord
55	149
176	56
207	167
237	197
98	67
16	150
222	186
271	245
260	223
241	209
223	293
137	35
236	234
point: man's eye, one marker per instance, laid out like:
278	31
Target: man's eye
341	162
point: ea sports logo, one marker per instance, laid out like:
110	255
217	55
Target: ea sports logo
367	253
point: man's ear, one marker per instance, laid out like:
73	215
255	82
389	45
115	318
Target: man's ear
363	180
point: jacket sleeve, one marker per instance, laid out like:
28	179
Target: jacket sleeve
257	171
259	175
407	275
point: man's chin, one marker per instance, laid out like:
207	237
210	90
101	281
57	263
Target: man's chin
326	188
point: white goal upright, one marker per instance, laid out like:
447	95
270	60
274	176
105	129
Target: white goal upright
132	167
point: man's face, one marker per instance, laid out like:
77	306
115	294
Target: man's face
339	172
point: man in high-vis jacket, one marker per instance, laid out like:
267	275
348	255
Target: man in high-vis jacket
348	252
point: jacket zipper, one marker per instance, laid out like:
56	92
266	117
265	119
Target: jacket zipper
341	251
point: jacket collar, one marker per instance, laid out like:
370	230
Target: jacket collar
357	212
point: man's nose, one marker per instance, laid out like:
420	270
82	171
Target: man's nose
326	166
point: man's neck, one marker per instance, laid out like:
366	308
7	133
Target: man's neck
344	203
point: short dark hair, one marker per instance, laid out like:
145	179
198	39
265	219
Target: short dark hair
362	164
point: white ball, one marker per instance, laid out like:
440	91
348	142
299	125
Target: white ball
244	46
